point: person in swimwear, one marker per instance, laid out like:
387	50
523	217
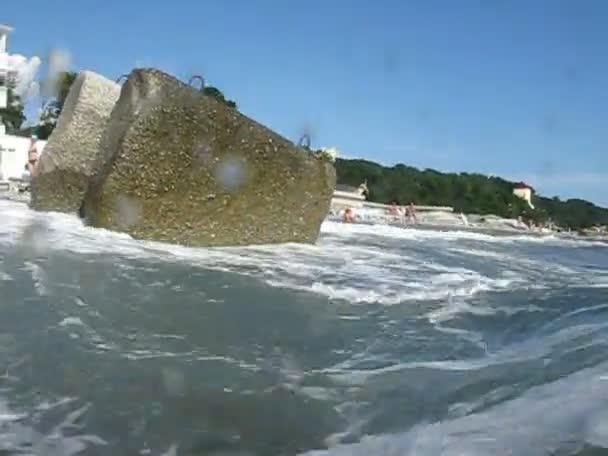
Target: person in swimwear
410	213
32	157
348	216
393	209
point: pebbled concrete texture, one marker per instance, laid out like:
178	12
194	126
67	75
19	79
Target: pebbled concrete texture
72	152
175	165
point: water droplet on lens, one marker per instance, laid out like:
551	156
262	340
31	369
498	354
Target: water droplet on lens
231	173
127	211
35	237
173	381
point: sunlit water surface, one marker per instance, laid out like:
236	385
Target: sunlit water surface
376	341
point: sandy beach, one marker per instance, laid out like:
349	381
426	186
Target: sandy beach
445	221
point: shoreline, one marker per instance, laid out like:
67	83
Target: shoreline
498	227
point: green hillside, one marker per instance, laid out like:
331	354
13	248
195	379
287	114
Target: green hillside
465	192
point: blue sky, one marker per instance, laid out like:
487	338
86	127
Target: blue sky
516	88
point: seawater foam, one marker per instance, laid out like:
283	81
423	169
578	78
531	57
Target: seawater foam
386	265
17	437
411	233
550	340
562	415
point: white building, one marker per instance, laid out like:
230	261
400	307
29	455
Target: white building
348	197
4	65
524	191
13	149
14	155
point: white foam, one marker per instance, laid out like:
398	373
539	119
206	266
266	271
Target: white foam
563	415
534	348
71	321
412	233
18	437
356	263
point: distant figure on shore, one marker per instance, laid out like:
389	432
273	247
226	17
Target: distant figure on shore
32	157
348	216
521	223
410	213
464	219
393	209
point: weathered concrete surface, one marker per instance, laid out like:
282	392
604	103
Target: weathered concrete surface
71	154
184	168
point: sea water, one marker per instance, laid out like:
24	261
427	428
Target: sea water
376	341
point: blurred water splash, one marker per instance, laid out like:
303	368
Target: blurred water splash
203	153
24	72
305	141
58	61
127	211
231	173
174	381
35	238
306	135
171	451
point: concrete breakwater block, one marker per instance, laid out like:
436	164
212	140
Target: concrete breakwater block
72	152
181	167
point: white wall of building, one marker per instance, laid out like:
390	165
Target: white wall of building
4	31
14	155
525	194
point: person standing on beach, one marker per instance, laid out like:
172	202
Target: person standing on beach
410	213
393	209
32	157
348	216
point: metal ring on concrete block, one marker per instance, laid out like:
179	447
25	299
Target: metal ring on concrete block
199	78
305	141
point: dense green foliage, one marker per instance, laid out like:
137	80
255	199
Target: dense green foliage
53	107
218	95
465	192
12	116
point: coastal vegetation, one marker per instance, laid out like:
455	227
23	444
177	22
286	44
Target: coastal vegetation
13	115
219	96
53	106
470	193
14	118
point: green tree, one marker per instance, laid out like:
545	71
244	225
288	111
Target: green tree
54	106
218	95
12	116
465	192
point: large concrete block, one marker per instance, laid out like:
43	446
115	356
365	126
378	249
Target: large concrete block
181	167
72	152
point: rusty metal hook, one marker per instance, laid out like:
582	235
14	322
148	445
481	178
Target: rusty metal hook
199	78
304	141
121	78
